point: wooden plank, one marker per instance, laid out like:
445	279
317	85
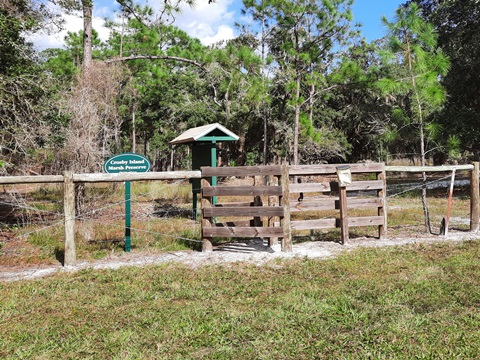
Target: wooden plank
247	190
334	223
315	224
365	221
38	179
120	177
366	185
364	203
311	205
331	169
419	169
334	204
310	187
241	170
236	204
254	211
242	232
237	223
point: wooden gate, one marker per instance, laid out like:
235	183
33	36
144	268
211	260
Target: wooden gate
316	190
246	218
279	192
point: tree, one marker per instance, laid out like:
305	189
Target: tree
458	26
261	11
306	36
413	46
27	109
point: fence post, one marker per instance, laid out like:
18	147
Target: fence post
207	245
272	201
69	212
343	213
474	196
382	229
285	201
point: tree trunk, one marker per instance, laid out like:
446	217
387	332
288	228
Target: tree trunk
422	138
296	128
134	135
87	34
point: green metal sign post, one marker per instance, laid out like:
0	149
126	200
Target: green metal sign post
127	216
128	162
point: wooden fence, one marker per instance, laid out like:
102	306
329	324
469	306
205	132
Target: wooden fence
334	197
69	179
278	210
281	183
253	209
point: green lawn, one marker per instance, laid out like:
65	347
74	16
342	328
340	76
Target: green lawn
418	301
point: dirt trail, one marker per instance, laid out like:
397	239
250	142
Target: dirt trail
252	251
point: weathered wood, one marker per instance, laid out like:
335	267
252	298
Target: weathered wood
244	190
284	201
419	169
120	177
236	204
100	177
331	169
304	204
239	223
253	211
257	200
474	197
31	179
310	187
312	205
70	257
449	203
334	204
365	221
366	185
272	201
242	170
382	211
343	215
251	231
315	224
206	203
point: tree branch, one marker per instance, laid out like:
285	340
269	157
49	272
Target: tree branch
155	57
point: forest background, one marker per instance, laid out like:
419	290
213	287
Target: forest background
298	82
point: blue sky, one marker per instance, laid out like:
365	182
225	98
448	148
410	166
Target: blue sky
369	14
213	22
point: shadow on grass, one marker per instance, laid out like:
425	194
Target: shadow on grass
167	210
60	255
245	246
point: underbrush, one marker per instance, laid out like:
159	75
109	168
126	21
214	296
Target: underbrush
410	302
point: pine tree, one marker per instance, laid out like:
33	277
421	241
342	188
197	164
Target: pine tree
413	47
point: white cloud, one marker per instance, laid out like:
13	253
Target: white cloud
209	23
73	23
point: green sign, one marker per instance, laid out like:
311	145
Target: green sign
128	162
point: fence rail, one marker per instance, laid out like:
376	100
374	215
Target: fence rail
274	191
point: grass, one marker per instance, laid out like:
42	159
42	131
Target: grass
412	302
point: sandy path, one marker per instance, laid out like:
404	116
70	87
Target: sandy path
252	251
